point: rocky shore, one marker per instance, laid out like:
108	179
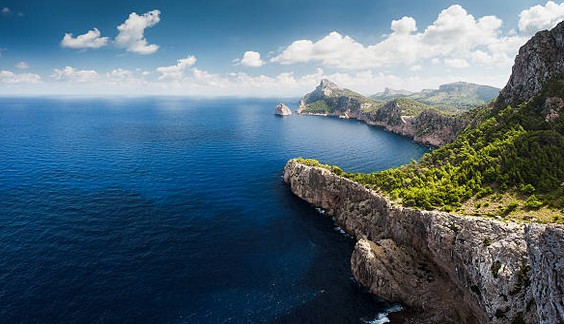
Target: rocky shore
446	268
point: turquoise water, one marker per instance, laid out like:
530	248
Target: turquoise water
174	211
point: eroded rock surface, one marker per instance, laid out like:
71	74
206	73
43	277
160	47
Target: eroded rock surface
463	269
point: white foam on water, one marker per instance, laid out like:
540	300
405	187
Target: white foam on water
382	318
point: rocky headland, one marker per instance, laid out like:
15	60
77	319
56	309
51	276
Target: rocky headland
446	267
424	124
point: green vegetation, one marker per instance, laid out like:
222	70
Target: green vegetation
509	165
318	107
453	96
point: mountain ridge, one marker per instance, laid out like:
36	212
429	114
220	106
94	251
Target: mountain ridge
456	95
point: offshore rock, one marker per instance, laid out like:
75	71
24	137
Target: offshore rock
282	110
450	268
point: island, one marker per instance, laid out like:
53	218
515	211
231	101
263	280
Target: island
282	110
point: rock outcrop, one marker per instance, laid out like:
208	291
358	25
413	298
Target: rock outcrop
282	110
539	60
448	268
427	127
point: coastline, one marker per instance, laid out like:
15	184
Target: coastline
444	266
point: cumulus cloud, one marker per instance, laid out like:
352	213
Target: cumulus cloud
131	33
68	73
92	39
11	77
22	65
540	17
455	37
405	25
176	71
251	59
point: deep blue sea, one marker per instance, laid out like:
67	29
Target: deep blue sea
168	210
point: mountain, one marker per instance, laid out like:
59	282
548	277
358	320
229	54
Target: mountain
538	62
510	163
389	94
331	100
425	124
458	95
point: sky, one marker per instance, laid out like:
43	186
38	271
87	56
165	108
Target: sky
259	48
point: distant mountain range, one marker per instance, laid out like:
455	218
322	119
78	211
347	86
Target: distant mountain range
458	95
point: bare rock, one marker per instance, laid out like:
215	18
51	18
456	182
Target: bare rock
482	270
539	60
282	110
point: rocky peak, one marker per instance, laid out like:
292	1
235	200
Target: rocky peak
539	60
326	88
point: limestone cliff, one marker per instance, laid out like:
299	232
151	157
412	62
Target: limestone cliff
539	60
447	267
425	124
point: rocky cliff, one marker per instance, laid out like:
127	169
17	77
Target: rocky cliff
539	60
425	124
446	267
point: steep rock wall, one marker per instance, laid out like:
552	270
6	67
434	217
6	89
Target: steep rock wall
451	268
538	61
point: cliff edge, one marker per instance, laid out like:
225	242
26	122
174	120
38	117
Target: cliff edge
447	268
539	60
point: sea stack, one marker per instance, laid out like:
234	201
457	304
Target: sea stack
282	110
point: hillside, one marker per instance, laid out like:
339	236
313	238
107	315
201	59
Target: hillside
510	164
425	124
454	96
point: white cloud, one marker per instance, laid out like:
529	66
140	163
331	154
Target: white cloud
456	63
92	39
540	17
11	77
68	73
176	71
453	37
131	32
251	59
6	11
405	25
22	65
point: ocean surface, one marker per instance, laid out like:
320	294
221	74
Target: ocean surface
174	210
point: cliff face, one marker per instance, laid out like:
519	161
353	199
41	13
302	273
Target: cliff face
450	268
404	117
539	60
427	127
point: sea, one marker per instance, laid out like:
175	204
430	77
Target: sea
174	210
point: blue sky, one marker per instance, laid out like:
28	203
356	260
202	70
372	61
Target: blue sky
259	47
